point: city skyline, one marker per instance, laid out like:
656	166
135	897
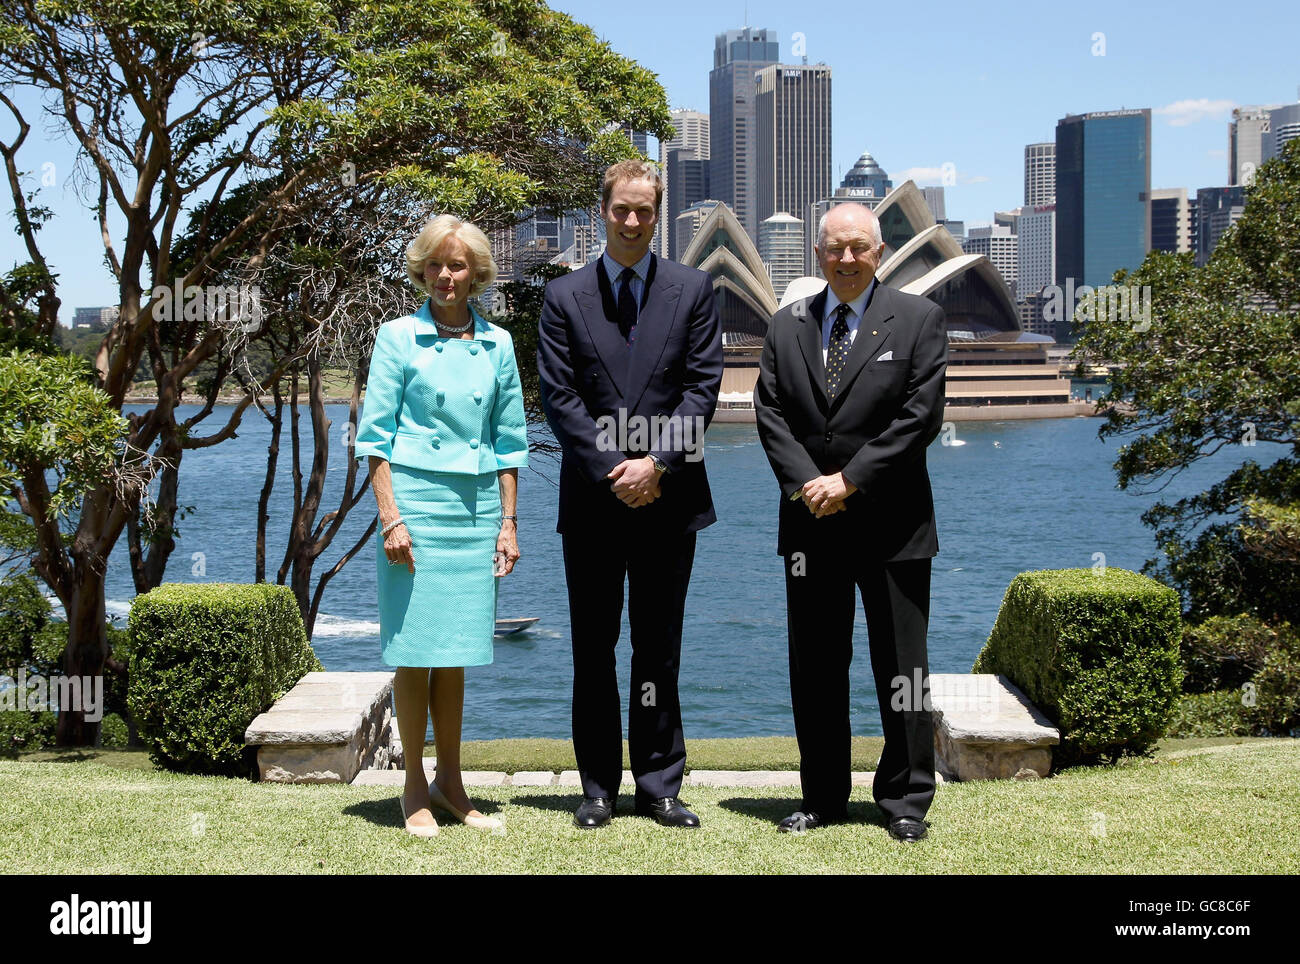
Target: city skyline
944	103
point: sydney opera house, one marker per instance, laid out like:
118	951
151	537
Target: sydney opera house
995	368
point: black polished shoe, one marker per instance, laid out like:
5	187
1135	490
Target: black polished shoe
802	820
668	812
593	812
907	829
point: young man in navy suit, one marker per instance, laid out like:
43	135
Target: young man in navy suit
850	393
630	358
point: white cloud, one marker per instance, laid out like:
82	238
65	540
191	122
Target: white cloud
1183	112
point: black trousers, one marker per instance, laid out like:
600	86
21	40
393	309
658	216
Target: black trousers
657	567
820	584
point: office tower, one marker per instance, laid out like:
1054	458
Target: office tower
1008	219
997	243
869	177
1040	174
737	56
691	135
1245	139
793	139
1171	220
639	139
1283	126
688	182
956	228
688	222
1218	208
781	249
934	201
1036	249
1103	191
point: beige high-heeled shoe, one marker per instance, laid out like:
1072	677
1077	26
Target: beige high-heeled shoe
480	822
415	831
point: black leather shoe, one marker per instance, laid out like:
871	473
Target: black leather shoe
907	829
668	812
593	812
802	820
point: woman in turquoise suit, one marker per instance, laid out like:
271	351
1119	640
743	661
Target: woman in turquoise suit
443	427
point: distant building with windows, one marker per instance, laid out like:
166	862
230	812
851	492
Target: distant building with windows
781	249
737	56
1218	208
1245	141
792	106
96	319
934	200
1171	220
1040	174
997	242
1283	127
1103	197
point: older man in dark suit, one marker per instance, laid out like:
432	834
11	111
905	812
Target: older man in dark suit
849	395
630	359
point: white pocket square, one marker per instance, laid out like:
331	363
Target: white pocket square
887	356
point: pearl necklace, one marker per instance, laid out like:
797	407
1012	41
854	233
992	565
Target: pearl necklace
464	327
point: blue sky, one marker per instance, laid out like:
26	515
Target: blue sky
918	86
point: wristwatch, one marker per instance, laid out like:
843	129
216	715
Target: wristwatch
660	465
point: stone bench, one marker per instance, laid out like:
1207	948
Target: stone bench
326	729
985	729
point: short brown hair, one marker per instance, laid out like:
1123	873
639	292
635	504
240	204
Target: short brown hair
631	171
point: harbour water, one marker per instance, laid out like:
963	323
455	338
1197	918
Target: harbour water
1011	496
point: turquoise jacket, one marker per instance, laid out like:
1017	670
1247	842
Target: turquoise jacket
443	404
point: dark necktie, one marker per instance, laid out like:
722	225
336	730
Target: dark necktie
627	306
838	350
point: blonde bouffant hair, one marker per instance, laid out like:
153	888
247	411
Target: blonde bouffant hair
437	230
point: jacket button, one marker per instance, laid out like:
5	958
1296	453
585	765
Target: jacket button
478	396
440	395
828	436
473	349
473	443
437	346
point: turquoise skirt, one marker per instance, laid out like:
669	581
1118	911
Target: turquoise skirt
445	613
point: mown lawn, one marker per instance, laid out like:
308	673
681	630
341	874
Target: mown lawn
1203	806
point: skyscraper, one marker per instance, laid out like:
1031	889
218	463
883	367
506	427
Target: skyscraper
997	242
1218	208
1283	126
934	201
1103	196
781	249
1036	250
793	143
1040	174
1171	224
1245	132
737	56
683	157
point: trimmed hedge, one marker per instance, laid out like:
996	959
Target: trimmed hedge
1095	650
1221	713
206	659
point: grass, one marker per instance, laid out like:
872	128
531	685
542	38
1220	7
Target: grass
1198	806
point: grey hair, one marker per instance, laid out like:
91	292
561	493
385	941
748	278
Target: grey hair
873	231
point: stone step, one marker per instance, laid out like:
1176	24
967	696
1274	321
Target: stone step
327	729
986	729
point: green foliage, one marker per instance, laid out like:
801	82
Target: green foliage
1224	652
56	419
1218	366
206	659
523	310
1220	713
20	732
1096	651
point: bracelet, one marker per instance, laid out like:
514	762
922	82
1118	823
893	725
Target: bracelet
512	518
392	525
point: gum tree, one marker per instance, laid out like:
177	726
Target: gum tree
205	130
1219	368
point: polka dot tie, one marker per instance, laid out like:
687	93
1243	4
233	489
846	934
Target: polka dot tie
838	350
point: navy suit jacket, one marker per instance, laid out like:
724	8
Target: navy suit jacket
591	380
876	431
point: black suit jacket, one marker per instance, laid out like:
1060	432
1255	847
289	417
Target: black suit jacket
875	432
587	372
